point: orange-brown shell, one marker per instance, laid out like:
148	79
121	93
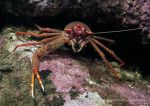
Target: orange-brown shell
70	25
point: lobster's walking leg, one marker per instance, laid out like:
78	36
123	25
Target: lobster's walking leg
105	60
109	51
47	29
38	55
38	35
36	43
32	84
105	39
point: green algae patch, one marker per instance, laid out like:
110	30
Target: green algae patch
15	83
5	61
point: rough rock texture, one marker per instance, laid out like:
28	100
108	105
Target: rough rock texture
131	12
135	96
92	76
92	99
55	7
137	12
66	74
2	40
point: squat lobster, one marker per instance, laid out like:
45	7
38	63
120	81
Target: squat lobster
76	34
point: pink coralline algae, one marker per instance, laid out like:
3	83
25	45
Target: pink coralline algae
67	74
137	12
134	96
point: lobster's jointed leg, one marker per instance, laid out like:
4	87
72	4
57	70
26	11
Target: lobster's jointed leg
32	84
47	29
38	35
104	59
38	55
104	39
36	43
109	51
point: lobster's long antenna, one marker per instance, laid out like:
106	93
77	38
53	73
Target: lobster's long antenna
126	30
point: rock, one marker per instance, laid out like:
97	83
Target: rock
6	64
137	13
2	42
34	8
134	96
87	99
67	74
130	12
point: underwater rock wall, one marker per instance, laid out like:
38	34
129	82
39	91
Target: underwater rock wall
34	8
131	12
137	12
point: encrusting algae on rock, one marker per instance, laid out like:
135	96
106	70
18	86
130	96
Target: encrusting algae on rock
67	74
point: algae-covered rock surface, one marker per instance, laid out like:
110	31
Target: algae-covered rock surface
69	79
